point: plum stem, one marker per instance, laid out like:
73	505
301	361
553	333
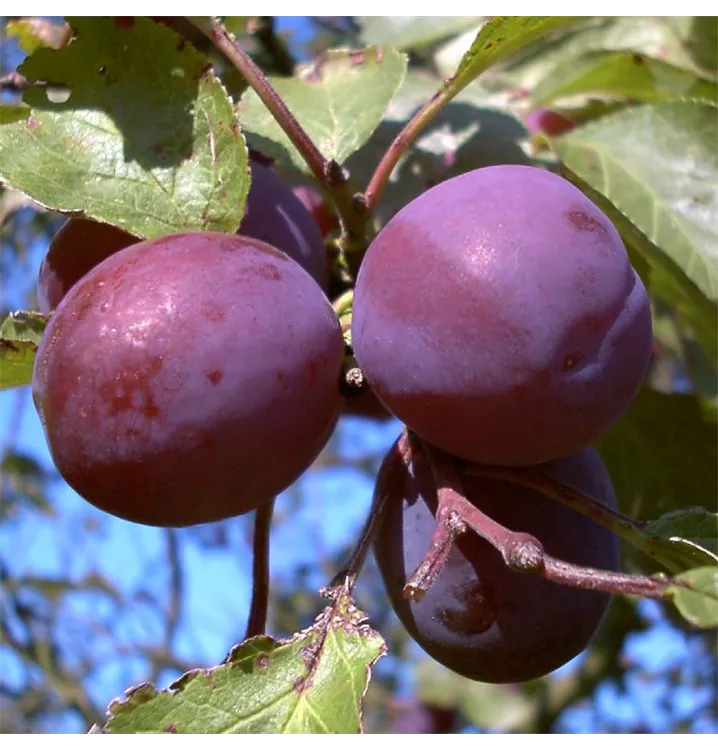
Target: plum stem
617	522
448	527
521	552
347	576
409	133
332	177
257	621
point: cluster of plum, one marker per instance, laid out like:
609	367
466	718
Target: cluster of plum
193	377
499	318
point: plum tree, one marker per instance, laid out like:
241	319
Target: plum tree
171	399
273	214
79	245
498	316
480	618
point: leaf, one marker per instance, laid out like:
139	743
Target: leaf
19	336
663	277
33	33
697	600
13	112
312	682
654	37
663	453
688	536
500	37
339	101
412	32
698	37
627	75
658	165
147	140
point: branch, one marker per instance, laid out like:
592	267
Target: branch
522	552
349	573
409	133
617	522
332	177
257	621
14	82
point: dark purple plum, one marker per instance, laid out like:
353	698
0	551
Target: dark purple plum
79	245
189	378
498	316
275	215
480	618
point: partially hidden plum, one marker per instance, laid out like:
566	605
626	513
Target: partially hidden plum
78	246
480	618
498	316
275	215
189	378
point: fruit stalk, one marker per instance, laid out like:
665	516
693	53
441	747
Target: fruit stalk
257	620
521	552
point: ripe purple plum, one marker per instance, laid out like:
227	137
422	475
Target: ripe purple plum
78	246
498	316
480	618
275	215
189	378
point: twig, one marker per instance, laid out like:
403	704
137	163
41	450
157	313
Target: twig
523	552
617	522
257	621
349	573
409	133
332	177
14	82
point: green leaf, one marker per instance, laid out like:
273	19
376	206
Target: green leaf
651	36
658	165
312	682
663	277
147	140
19	336
33	33
663	454
500	37
697	599
688	536
698	37
627	75
412	32
13	112
339	101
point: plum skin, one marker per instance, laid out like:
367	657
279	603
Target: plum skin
274	214
480	618
78	246
189	378
498	316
